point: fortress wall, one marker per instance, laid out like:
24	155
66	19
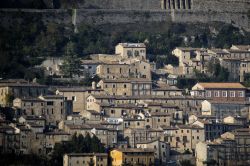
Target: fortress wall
113	4
102	16
120	17
221	5
238	19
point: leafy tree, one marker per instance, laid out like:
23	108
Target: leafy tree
72	64
77	144
9	99
218	73
8	112
88	79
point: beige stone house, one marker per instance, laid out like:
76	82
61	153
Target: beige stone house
232	148
78	95
162	150
220	91
191	59
126	87
137	135
131	50
19	88
127	69
53	107
184	137
95	159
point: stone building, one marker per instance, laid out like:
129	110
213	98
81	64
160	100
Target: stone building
126	69
11	89
53	107
126	87
107	136
52	66
78	95
184	137
51	138
220	91
214	128
132	156
131	50
222	109
232	148
191	60
137	135
89	66
162	150
95	159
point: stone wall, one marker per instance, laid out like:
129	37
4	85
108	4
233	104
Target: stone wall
204	11
112	4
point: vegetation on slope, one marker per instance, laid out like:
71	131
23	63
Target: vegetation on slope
27	42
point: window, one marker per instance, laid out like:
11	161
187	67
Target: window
73	98
125	86
232	94
50	103
244	65
208	93
129	53
198	137
112	111
216	94
224	93
138	123
113	85
136	53
241	94
107	70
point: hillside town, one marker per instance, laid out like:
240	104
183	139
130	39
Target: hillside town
134	109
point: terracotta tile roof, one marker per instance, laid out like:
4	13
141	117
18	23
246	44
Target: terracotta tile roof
214	85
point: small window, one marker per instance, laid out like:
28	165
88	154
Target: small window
50	103
216	94
125	86
232	94
241	94
224	93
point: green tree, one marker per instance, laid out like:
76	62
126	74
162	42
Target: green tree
77	144
72	64
9	99
88	79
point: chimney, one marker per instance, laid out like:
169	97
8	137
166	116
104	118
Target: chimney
93	85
